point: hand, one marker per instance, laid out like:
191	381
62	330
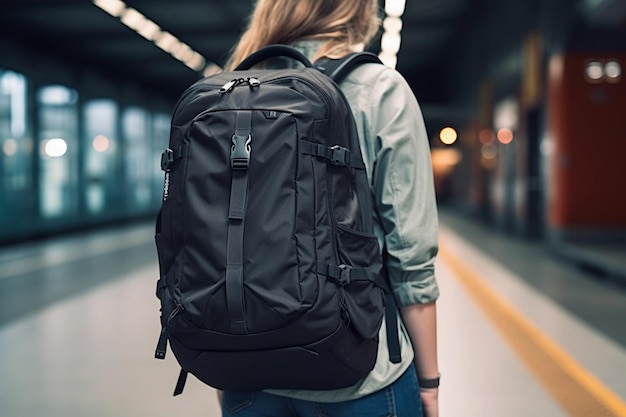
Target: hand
430	401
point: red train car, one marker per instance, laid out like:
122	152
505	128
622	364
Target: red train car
586	107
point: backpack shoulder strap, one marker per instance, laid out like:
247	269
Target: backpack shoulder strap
338	69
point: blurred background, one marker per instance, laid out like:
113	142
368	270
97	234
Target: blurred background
523	101
525	107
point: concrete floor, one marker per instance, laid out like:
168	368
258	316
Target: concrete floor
90	353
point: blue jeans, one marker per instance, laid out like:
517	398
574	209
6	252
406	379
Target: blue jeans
400	399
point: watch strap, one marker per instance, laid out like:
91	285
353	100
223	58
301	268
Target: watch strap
429	382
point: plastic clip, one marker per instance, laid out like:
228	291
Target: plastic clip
339	156
167	160
344	275
240	152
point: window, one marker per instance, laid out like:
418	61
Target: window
16	147
136	129
101	147
161	131
58	151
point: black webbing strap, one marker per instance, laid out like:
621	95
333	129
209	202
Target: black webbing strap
338	69
180	384
391	316
336	155
161	284
345	274
393	338
236	216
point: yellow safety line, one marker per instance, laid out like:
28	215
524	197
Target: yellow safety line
579	392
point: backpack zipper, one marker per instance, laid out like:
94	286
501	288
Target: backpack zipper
329	186
161	348
229	86
328	101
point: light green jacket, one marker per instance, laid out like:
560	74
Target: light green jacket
396	153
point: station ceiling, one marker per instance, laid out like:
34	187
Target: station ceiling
79	33
82	36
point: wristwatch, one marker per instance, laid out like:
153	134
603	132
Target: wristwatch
429	383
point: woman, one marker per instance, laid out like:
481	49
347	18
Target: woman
396	154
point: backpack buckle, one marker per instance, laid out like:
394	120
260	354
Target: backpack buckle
240	152
339	155
344	275
167	159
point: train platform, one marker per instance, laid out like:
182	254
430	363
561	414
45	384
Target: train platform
522	332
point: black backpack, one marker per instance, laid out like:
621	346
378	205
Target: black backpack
271	276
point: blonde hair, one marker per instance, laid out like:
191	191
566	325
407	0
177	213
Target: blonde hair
342	24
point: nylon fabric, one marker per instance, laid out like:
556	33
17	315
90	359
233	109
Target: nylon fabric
247	219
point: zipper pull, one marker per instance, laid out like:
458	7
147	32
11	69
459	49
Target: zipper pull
174	313
254	82
251	81
229	86
161	348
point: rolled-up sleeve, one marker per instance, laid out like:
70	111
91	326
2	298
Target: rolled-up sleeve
402	183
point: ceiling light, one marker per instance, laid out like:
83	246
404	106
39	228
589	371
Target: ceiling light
55	95
133	19
392	24
55	147
388	58
113	7
594	71
168	42
613	70
390	42
394	8
150	30
505	135
184	52
506	114
195	62
448	135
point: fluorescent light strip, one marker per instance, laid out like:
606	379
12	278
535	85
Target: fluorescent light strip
133	19
151	31
391	38
390	42
395	8
113	7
